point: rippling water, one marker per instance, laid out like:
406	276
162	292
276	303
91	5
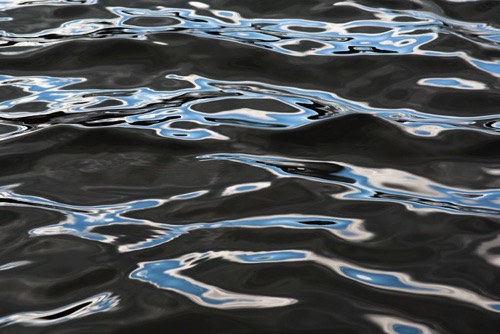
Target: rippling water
250	166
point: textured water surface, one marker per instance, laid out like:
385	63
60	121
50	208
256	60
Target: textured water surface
250	166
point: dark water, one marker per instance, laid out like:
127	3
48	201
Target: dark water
250	166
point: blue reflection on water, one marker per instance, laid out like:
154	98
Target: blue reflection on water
276	256
13	265
156	272
383	280
159	111
6	5
167	274
374	185
145	108
452	83
405	329
275	34
103	302
82	221
170	274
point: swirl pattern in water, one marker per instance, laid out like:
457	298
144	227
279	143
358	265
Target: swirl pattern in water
250	166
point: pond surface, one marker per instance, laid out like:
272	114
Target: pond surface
249	166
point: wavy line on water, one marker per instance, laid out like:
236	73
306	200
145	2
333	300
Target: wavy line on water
6	5
416	193
394	325
159	111
452	82
103	302
278	35
167	274
480	34
488	251
12	265
81	221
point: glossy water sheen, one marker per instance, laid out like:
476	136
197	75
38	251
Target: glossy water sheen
250	166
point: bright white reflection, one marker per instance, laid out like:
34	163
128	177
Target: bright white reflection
100	303
12	265
168	274
456	83
245	187
393	325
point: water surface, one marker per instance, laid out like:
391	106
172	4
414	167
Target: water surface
237	166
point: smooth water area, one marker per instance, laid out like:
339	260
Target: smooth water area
250	166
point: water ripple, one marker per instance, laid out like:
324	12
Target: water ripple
103	302
167	274
13	265
377	184
278	35
232	114
456	83
6	5
82	220
395	325
161	111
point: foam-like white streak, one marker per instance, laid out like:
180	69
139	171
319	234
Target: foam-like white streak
392	325
168	274
12	265
100	303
